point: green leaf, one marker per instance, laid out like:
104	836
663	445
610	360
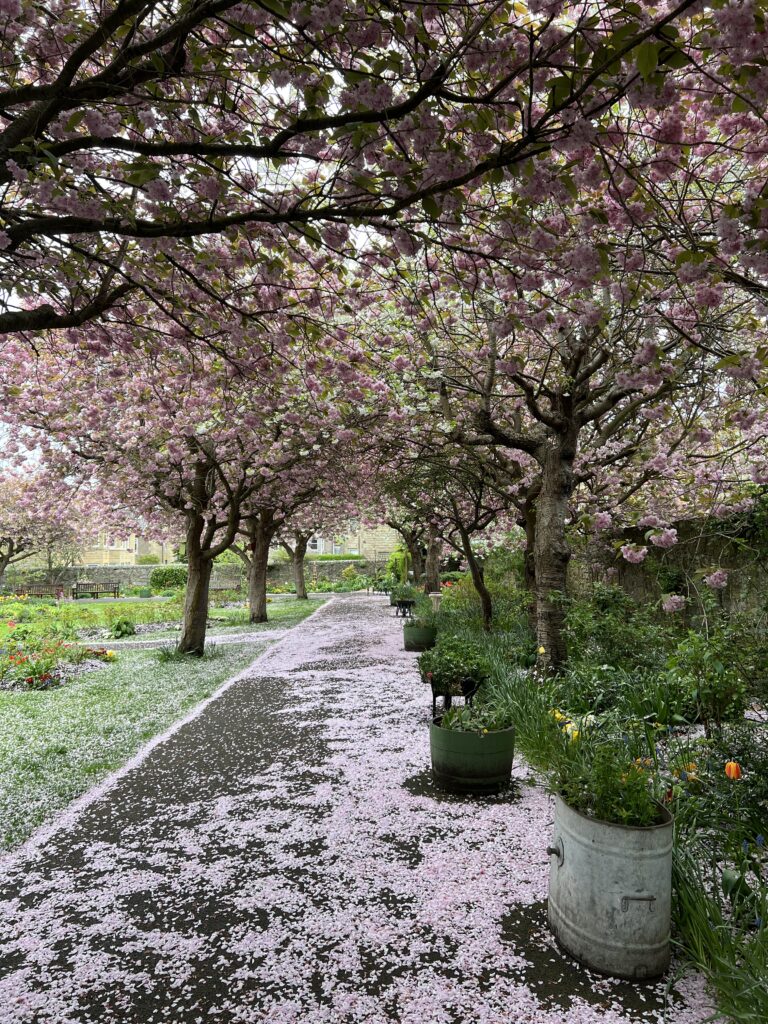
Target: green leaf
431	207
647	58
740	106
140	174
559	91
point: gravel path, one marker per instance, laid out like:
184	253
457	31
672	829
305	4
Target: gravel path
282	857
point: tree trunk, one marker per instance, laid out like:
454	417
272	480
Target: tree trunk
260	538
199	569
432	564
552	553
417	561
529	562
299	552
478	580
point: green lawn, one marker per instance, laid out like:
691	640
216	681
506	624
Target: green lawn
56	744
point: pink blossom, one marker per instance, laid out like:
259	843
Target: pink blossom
717	580
633	554
665	538
673	603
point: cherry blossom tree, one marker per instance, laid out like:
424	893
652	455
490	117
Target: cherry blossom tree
40	514
579	365
176	430
131	133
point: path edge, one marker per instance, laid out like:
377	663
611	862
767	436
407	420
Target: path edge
69	814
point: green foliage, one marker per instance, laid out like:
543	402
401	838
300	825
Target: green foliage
349	573
703	666
168	654
122	627
454	663
511	605
604	778
476	718
148	560
655	697
228	557
404	592
165	577
606	627
424	615
398	564
722	921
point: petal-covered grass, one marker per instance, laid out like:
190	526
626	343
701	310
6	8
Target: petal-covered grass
56	744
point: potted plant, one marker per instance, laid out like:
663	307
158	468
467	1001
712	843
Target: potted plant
403	596
454	667
472	748
610	883
420	632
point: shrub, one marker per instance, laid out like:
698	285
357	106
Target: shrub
165	577
606	627
122	627
703	664
148	560
455	663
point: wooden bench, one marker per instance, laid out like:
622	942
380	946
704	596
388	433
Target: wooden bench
39	590
83	587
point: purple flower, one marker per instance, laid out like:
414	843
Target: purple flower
665	538
717	580
632	553
673	603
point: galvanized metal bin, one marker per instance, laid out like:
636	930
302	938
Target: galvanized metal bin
610	893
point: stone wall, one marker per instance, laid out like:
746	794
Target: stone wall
679	569
282	572
228	574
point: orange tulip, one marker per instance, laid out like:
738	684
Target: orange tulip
733	770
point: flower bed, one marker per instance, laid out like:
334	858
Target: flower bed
33	662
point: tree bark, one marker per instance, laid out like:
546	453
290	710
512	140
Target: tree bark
199	569
529	561
3	566
417	560
432	564
552	552
478	580
260	533
299	553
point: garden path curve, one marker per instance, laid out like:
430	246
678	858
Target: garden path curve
282	857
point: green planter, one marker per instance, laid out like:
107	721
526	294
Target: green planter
419	638
470	762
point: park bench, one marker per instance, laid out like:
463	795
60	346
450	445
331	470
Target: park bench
41	590
83	587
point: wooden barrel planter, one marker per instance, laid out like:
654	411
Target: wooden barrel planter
471	762
418	638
